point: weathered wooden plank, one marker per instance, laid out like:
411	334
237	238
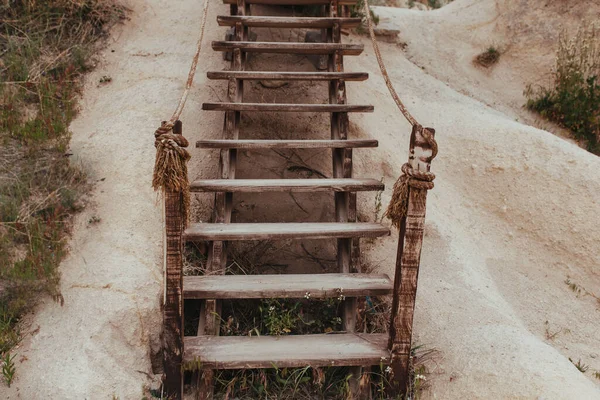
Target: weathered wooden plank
280	185
235	352
173	307
292	2
281	231
407	268
286	107
288	76
289	47
285	286
287	22
285	144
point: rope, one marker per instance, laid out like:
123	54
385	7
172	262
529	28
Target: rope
170	166
398	206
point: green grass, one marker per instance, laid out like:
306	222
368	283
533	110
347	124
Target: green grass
45	47
573	98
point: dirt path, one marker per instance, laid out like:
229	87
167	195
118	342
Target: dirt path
512	216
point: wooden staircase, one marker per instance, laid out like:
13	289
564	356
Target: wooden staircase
208	351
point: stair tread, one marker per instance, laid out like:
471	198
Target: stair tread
284	230
289	47
293	2
236	352
287	107
287	22
270	185
275	75
285	286
290	144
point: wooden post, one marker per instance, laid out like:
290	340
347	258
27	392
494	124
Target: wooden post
407	268
173	307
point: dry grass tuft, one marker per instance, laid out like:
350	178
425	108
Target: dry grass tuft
45	47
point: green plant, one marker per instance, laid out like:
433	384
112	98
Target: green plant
358	11
8	368
488	57
434	3
596	374
573	98
580	366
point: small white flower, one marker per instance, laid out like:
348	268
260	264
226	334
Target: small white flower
420	378
307	296
382	358
388	370
272	308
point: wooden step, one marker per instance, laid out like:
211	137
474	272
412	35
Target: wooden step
326	350
290	47
285	144
293	2
287	22
288	76
281	231
285	286
286	107
286	185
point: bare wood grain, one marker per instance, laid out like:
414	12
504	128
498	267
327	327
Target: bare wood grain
285	286
288	76
281	231
283	144
286	107
282	185
235	352
287	22
407	269
289	47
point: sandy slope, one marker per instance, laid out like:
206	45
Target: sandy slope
513	214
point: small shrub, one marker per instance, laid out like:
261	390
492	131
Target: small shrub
573	98
488	57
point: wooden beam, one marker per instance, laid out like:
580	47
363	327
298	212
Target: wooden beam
289	47
173	307
285	185
295	351
285	144
287	22
288	76
286	107
407	268
313	286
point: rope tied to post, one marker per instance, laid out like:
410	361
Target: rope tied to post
398	206
170	165
410	177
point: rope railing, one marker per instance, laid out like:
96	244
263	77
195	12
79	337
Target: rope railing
410	177
170	166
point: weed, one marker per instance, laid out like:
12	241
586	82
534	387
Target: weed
573	98
580	366
357	11
488	57
378	205
596	374
411	3
105	79
94	219
578	289
434	4
8	368
552	335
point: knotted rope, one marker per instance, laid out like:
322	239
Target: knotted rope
410	178
170	166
